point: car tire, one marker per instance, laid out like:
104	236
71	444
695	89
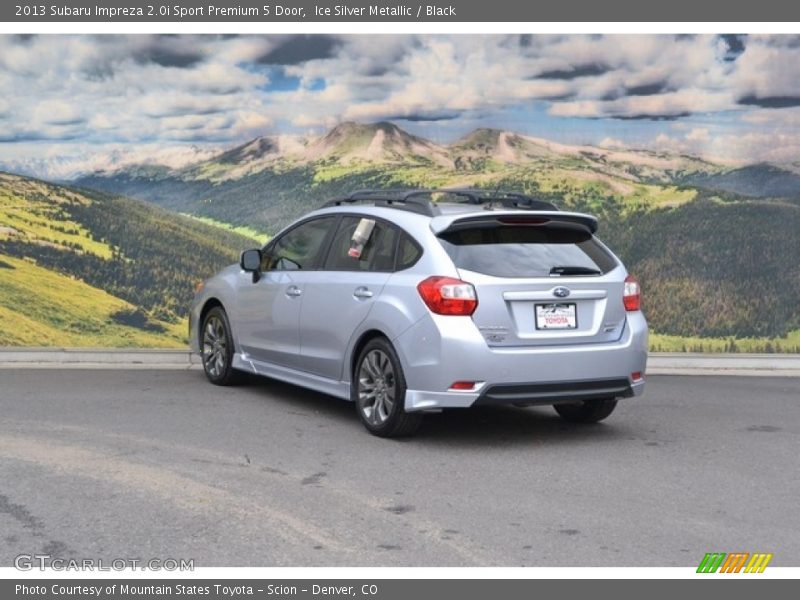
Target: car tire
588	411
217	349
379	391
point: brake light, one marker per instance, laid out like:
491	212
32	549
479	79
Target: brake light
522	221
448	296
632	294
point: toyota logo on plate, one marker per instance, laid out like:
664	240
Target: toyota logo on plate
561	292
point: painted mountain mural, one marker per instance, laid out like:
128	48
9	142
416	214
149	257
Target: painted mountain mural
715	247
134	165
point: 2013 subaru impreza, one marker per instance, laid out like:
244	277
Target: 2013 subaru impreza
413	301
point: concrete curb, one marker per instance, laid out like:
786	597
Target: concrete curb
97	358
692	363
659	363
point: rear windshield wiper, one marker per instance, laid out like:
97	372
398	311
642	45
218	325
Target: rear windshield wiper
574	270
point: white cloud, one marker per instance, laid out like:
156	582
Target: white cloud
163	91
612	143
735	149
657	106
698	134
768	69
70	160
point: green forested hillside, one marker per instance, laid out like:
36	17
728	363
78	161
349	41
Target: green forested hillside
758	181
97	268
42	307
715	268
269	199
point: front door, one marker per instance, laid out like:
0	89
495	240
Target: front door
269	309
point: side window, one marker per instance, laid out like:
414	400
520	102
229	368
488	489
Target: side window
383	258
408	252
362	244
299	248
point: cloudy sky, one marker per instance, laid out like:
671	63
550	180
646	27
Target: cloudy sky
77	102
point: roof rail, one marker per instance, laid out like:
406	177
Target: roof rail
513	200
402	199
421	200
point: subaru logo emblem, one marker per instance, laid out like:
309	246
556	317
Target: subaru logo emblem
561	292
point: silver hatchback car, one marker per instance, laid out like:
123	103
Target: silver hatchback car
408	302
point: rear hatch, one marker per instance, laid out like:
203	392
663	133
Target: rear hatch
541	278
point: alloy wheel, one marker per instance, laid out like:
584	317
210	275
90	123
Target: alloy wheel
215	347
376	387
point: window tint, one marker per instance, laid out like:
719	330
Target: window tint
526	251
375	254
298	248
408	252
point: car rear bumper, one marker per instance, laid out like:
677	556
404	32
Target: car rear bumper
554	392
438	351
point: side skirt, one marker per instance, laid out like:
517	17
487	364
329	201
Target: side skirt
340	389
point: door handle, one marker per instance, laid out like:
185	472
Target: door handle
362	292
293	291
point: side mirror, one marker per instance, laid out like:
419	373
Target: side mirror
250	261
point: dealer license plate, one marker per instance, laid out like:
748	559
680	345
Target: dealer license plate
556	316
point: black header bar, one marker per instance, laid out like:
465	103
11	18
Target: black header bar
390	589
322	11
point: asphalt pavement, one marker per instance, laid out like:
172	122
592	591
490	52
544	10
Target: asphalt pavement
160	464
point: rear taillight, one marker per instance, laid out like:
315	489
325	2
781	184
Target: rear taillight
448	296
632	294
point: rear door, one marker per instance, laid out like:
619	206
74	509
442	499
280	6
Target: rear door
540	281
360	260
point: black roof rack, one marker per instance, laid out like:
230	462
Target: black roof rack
402	199
421	200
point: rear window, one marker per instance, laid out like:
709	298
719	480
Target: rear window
524	251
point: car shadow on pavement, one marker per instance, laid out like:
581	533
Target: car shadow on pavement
479	427
296	399
512	426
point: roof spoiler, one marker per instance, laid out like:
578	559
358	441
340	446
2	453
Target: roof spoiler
567	220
